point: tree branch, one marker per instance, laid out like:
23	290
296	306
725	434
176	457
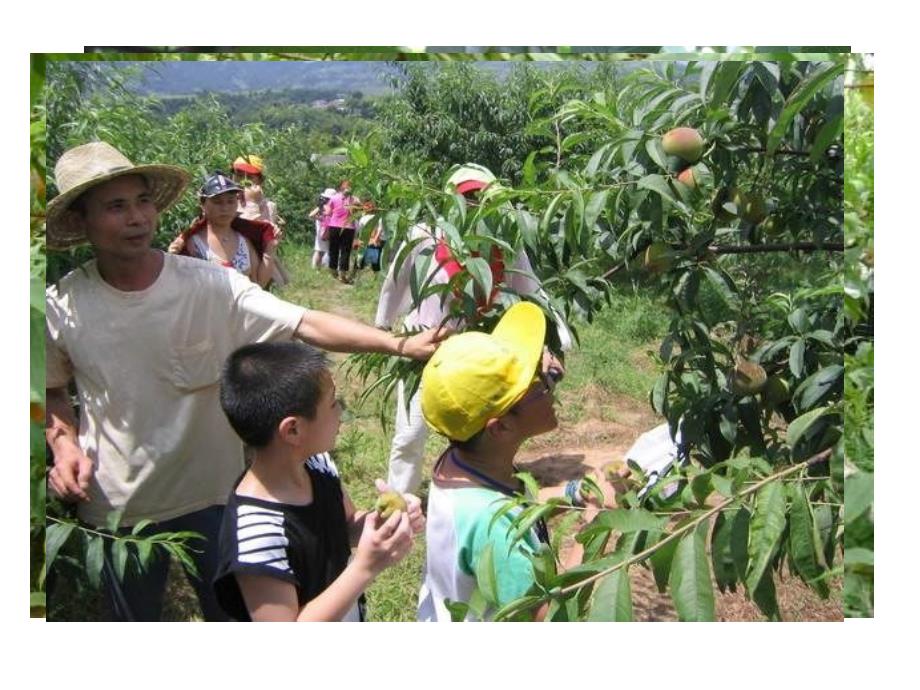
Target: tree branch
781	247
823	455
750	249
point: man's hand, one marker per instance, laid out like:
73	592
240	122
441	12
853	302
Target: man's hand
422	345
614	480
70	475
177	245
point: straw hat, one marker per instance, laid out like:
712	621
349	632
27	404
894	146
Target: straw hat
84	167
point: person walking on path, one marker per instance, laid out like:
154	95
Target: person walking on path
321	221
341	208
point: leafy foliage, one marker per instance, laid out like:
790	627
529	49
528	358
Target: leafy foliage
749	269
750	272
859	384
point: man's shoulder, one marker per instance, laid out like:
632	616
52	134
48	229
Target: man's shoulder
80	276
197	274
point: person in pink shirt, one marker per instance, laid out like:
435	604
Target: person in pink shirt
341	230
321	220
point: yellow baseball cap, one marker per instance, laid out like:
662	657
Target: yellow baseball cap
474	377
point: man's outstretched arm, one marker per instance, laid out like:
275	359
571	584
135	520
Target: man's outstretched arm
340	334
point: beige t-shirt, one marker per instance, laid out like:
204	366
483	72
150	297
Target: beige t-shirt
147	367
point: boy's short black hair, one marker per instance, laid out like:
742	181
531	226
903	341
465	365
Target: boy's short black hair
263	383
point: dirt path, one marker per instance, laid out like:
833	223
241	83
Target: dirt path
573	450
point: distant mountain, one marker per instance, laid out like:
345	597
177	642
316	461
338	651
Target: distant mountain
370	78
237	76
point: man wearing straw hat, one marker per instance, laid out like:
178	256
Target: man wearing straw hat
144	335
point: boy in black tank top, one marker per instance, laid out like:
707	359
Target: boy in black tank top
288	528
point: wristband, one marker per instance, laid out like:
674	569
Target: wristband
573	492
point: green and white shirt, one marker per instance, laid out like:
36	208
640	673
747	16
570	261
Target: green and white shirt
458	530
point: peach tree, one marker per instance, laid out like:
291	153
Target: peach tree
719	186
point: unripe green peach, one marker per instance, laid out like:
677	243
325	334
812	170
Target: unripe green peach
388	503
776	391
751	206
771	227
618	474
747	377
658	257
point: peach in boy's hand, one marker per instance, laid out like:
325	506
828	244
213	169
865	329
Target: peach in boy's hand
383	542
410	503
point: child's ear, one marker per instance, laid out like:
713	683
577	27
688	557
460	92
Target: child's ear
499	427
290	430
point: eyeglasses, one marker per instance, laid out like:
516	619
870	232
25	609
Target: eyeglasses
548	379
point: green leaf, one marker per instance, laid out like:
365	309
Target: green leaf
529	170
723	485
701	486
823	384
660	392
525	603
531	488
799	98
180	553
612	599
37	600
823	336
529	517
482	273
767	525
826	136
741	528
120	557
690	581
658	184
139	526
113	519
596	203
627	521
56	536
478	604
765	597
858	495
653	146
36	356
859	559
457	610
485	575
723	565
661	560
797	358
801	424
802	546
94	559
726	291
144	551
723	82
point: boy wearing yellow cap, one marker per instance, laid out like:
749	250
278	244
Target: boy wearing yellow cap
487	393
